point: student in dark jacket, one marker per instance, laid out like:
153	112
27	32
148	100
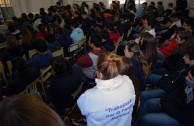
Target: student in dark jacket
22	76
64	40
12	50
53	44
64	83
106	41
141	67
43	57
175	108
170	30
124	26
86	23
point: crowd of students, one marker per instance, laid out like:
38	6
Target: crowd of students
159	52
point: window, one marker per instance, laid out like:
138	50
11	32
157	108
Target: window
123	1
139	1
5	3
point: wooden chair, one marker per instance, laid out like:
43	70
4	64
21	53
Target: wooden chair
3	45
2	73
74	48
45	74
9	66
31	53
114	51
82	43
24	57
129	32
120	40
74	96
77	92
58	53
32	89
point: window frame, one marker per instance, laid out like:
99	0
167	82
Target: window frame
5	3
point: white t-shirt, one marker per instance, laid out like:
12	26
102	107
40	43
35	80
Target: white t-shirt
109	103
152	32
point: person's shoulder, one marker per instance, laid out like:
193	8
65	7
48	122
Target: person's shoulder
33	70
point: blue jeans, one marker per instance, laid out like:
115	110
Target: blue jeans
160	71
151	114
146	95
153	79
158	119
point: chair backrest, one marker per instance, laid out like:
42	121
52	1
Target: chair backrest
31	53
120	40
82	43
115	51
2	72
24	57
58	53
9	66
32	89
3	45
45	73
129	32
73	48
77	92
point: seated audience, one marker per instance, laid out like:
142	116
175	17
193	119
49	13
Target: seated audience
176	76
124	26
25	41
176	19
87	62
43	57
53	44
64	83
169	46
140	65
189	25
170	29
106	41
12	50
147	45
22	77
13	30
86	22
160	8
149	27
64	40
113	33
175	108
41	32
77	33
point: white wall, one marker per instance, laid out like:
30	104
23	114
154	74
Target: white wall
106	2
26	6
165	2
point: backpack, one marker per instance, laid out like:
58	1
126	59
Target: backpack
171	81
174	62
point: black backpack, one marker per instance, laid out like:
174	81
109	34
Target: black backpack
174	62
